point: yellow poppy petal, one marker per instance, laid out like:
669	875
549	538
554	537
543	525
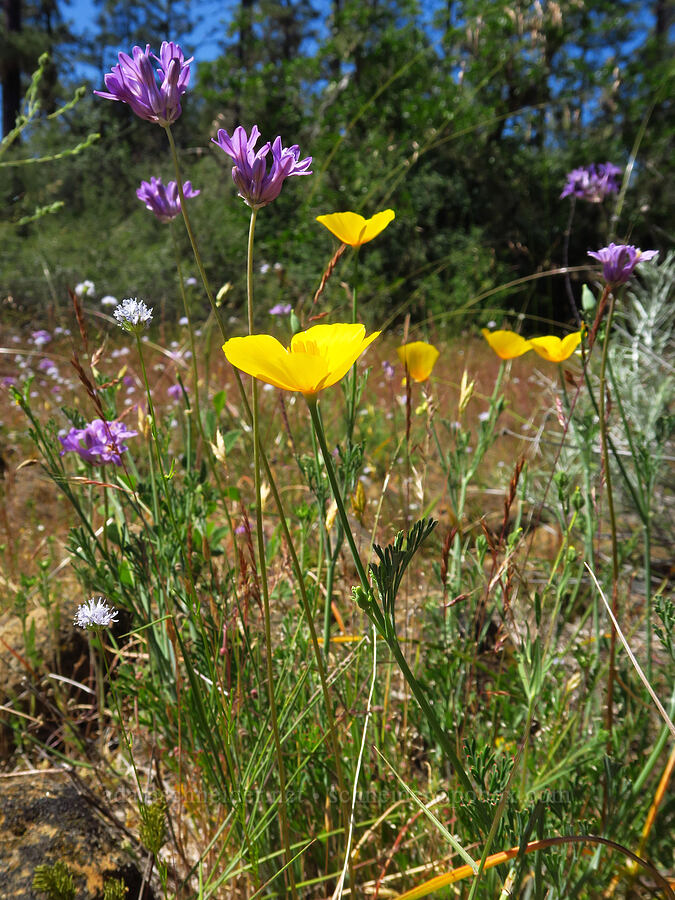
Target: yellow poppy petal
353	229
316	359
553	349
506	344
261	356
419	358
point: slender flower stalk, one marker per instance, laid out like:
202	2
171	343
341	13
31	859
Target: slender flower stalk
95	616
191	235
414	685
612	519
262	562
191	334
299	574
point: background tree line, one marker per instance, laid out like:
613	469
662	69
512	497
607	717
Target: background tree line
464	118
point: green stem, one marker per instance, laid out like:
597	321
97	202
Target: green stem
317	655
191	333
610	510
155	437
430	715
268	471
335	488
644	509
195	376
363	578
283	809
188	228
352	403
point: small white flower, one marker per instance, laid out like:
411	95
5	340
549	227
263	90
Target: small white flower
191	282
85	289
95	613
133	314
109	300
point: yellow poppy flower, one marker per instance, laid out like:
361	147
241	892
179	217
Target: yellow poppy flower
316	359
553	349
419	358
506	344
353	229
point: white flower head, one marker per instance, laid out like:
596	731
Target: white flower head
133	315
86	288
95	613
109	300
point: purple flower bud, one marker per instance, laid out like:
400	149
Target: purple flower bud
154	96
163	201
258	187
593	182
619	260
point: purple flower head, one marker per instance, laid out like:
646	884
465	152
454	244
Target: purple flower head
163	201
593	182
98	442
281	309
619	260
40	338
47	365
133	315
95	613
388	369
258	187
175	391
154	96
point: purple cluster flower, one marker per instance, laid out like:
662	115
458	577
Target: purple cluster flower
163	201
280	309
593	182
133	315
95	613
619	260
134	81
258	187
41	337
98	442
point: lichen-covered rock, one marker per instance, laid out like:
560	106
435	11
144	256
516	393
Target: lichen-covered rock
44	818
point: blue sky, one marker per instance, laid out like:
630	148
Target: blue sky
80	15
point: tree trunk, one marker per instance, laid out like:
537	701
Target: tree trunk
11	69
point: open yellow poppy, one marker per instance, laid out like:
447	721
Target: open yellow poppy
316	359
353	229
419	358
553	348
506	344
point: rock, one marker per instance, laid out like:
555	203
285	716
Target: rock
44	818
